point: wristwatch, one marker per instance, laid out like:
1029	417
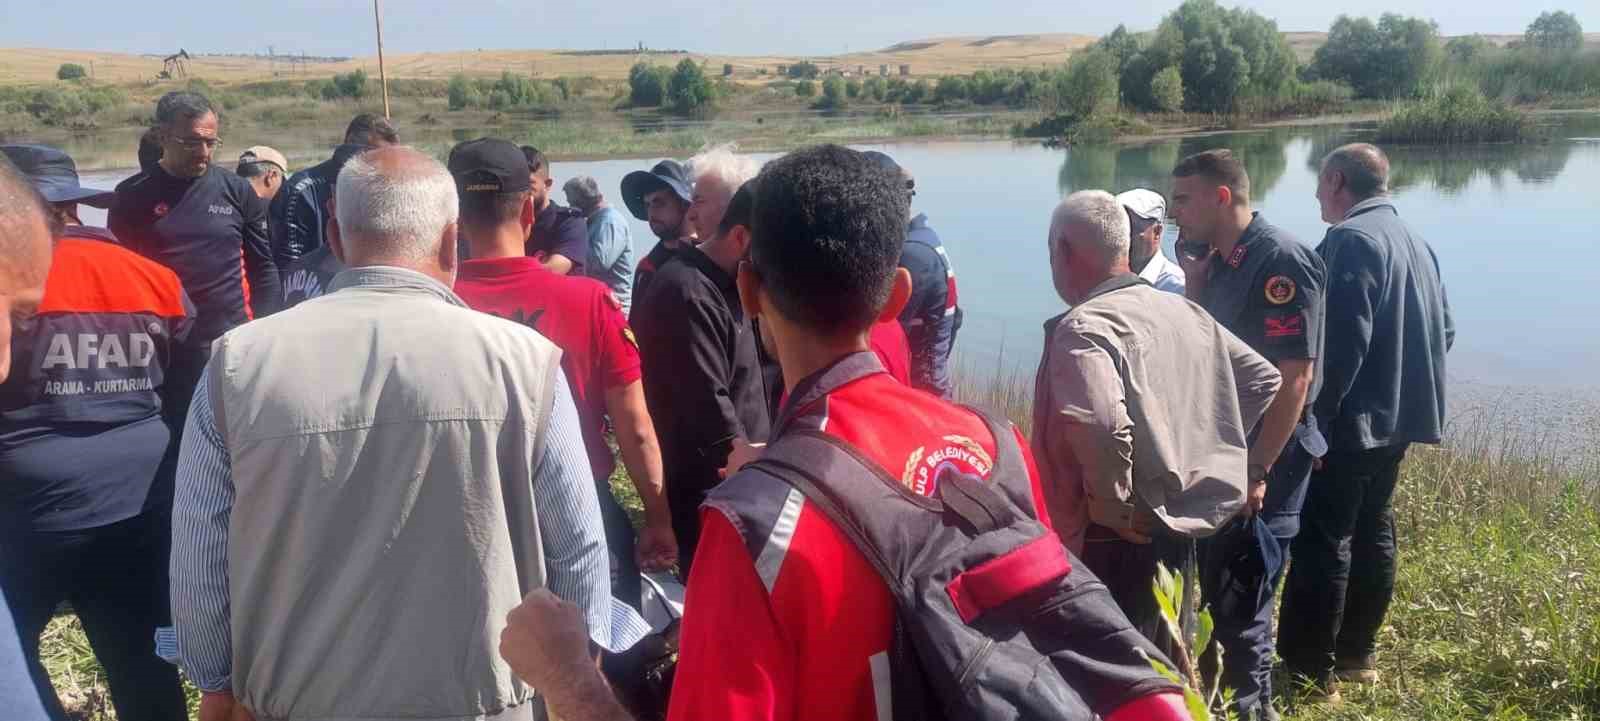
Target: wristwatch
1256	473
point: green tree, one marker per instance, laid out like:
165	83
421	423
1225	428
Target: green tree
1221	55
1086	87
1467	48
805	89
463	93
1555	31
804	70
1166	90
875	88
950	89
71	71
833	93
852	89
647	85
689	89
917	92
1388	59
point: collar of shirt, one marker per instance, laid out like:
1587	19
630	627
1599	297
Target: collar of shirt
722	278
814	387
1154	269
392	278
921	221
497	267
1381	201
550	217
1253	232
91	232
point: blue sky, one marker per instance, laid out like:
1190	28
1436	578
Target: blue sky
744	27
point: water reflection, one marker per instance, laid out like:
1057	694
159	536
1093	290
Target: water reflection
1149	165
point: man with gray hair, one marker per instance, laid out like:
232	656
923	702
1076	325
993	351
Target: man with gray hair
346	546
1383	388
610	239
1142	408
717	172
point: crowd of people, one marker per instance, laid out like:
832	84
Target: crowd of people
338	443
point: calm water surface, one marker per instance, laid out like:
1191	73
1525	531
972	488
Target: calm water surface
1514	226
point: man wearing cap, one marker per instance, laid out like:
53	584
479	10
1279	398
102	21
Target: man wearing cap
1147	211
559	237
265	168
932	317
661	197
703	376
598	353
300	213
83	449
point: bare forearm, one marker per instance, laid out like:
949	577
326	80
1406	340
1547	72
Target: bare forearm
584	697
641	452
1277	425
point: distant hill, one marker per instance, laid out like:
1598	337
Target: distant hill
926	57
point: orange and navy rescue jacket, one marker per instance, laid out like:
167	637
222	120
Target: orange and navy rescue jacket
81	431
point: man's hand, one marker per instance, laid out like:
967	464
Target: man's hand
657	549
546	641
221	706
743	452
1140	527
1256	499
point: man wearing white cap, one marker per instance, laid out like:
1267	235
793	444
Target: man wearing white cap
265	168
1146	211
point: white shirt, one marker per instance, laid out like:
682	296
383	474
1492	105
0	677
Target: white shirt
1163	274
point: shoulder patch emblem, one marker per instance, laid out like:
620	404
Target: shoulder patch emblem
1280	289
161	210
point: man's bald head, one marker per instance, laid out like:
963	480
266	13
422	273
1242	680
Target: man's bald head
1351	174
25	240
397	206
1363	166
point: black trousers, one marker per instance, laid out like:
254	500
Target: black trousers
1128	570
115	577
1342	578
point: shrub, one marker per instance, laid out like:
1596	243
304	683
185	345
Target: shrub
852	89
647	85
804	70
1458	115
689	89
950	88
1166	90
805	89
71	71
875	88
833	94
462	94
1389	59
352	85
1086	87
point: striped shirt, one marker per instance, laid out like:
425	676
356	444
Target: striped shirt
576	560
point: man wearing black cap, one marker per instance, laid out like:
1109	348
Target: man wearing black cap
932	317
585	321
83	449
660	196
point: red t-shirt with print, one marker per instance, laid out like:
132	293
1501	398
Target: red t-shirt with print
577	314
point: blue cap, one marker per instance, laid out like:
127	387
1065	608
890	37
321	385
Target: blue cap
55	175
667	175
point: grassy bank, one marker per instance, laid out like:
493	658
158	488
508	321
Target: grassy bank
1497	606
1458	115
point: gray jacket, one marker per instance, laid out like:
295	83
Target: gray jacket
384	442
1388	328
1143	399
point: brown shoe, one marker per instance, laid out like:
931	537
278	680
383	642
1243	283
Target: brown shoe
1356	670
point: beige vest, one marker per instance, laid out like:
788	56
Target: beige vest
383	441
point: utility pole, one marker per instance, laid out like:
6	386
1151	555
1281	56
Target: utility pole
383	77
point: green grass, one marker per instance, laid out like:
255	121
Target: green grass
1458	115
1497	607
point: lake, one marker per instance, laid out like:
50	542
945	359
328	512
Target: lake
1514	227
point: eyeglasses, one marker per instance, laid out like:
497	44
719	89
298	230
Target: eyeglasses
197	143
